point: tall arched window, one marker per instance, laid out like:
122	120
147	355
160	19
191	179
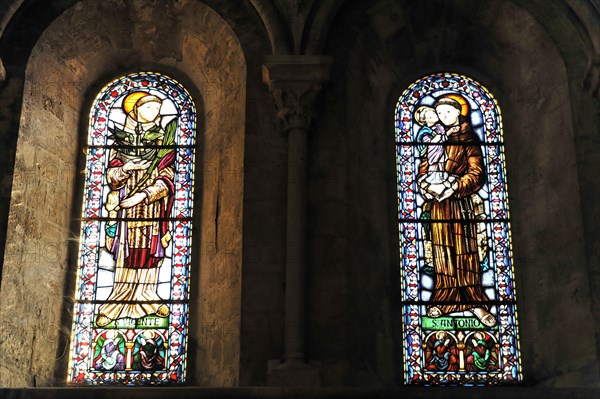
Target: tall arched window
131	300
459	309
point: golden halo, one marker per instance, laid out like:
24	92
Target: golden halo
464	104
148	334
420	112
131	99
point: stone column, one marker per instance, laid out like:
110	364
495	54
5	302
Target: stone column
295	83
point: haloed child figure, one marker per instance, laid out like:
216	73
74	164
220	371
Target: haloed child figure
432	132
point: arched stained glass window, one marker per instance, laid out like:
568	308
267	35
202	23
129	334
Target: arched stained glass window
459	309
131	300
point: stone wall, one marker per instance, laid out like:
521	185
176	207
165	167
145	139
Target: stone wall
379	50
192	44
215	49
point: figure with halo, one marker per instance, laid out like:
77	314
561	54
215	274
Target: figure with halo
141	190
448	177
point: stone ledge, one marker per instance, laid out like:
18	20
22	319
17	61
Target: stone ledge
301	393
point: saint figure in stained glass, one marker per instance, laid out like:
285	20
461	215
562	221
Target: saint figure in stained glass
110	353
140	178
447	187
441	352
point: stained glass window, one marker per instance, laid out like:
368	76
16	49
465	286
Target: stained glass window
458	295
131	301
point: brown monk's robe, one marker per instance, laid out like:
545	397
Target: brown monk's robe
455	256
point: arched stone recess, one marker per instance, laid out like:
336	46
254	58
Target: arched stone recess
86	47
502	46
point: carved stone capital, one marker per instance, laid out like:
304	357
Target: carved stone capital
295	83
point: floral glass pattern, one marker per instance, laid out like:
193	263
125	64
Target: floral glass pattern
132	287
458	295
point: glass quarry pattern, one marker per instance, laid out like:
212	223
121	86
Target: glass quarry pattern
459	309
131	300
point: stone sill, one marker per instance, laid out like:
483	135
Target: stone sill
300	393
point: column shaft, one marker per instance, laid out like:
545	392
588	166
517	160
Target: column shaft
295	297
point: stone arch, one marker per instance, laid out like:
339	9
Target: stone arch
425	271
190	42
528	75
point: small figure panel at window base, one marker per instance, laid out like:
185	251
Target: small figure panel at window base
131	301
459	309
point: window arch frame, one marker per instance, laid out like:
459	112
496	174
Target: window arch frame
179	217
489	129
